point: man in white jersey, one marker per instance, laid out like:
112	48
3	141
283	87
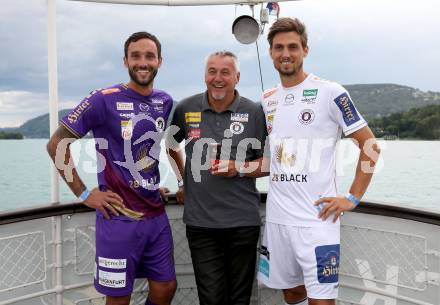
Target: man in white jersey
305	117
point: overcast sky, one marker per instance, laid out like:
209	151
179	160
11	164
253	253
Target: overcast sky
351	42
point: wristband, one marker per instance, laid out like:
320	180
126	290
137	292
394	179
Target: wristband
84	195
353	199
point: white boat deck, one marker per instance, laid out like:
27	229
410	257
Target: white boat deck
47	256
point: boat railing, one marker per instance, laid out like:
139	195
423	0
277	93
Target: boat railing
389	255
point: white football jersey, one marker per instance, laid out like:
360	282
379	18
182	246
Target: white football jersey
305	123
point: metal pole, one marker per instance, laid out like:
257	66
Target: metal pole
53	124
53	89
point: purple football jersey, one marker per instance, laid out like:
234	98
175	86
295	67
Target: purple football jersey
127	128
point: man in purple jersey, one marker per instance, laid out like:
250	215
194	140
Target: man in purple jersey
133	235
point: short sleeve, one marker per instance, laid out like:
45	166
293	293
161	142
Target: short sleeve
260	130
175	132
343	111
88	115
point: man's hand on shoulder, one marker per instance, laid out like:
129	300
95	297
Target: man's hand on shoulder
103	202
333	205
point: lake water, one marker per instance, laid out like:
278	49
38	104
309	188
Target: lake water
409	173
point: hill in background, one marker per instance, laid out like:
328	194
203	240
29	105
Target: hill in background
36	128
378	100
372	100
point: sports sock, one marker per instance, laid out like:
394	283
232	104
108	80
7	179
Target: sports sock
303	302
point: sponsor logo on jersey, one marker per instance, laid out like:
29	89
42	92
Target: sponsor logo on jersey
327	259
272	103
309	96
194	133
283	157
289	99
75	114
194	125
157	101
127	129
269	93
240	117
112	279
112	263
121	106
144	107
269	124
306	116
193	117
310	92
160	124
308	100
236	127
158	108
111	90
270	118
289	178
269	112
127	115
349	113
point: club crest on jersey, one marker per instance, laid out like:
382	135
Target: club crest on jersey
289	99
127	129
160	124
306	116
349	113
236	127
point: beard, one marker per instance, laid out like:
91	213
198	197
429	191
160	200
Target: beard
218	96
291	72
142	82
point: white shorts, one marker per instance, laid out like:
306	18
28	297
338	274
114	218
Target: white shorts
293	256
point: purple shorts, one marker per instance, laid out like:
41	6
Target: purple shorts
127	249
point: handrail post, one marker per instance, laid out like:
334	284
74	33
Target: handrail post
53	123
